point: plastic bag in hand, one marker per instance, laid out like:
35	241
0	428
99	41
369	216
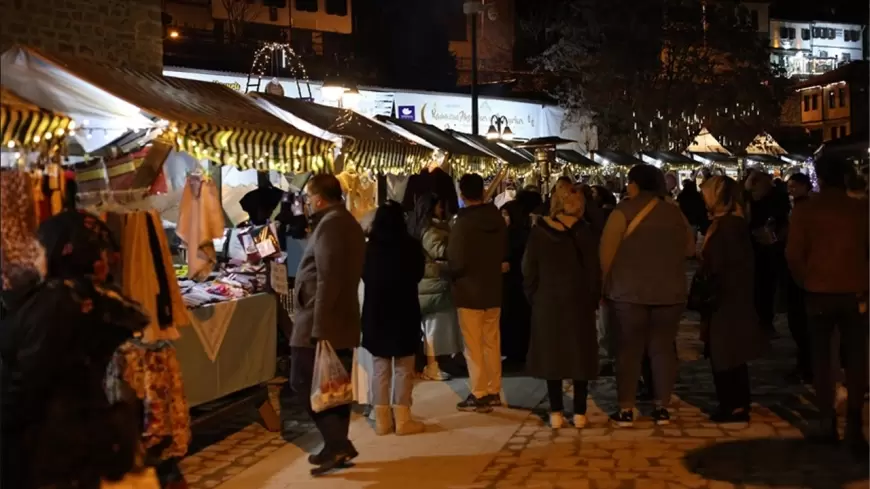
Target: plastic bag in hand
331	386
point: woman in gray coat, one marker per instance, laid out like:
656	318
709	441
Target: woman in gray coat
562	279
441	335
732	332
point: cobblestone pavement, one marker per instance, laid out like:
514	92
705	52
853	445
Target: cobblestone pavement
225	448
690	452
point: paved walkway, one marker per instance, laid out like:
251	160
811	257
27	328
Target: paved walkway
514	448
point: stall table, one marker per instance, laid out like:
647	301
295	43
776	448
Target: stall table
247	354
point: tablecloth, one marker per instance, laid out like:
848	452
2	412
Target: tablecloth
245	358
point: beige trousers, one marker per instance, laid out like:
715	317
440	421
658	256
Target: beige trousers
480	330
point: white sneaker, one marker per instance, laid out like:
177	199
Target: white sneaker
580	421
557	420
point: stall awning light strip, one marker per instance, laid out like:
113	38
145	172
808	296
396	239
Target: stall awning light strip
26	128
248	149
386	156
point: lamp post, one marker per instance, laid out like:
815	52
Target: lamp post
472	8
498	128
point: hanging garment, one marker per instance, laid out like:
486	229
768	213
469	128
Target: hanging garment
145	480
149	276
153	374
200	221
360	192
22	258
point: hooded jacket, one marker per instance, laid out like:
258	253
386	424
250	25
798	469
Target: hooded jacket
475	252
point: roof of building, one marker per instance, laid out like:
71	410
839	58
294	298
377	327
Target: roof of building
856	71
838	11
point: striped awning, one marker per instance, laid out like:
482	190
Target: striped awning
209	120
463	158
24	125
366	144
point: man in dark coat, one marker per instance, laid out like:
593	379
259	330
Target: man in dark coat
327	308
475	256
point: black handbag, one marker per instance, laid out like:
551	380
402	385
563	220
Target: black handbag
702	296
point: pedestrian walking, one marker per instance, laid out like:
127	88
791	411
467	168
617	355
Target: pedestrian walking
731	332
327	309
768	211
441	335
643	255
394	264
476	254
562	279
799	188
827	255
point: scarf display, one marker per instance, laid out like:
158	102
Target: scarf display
200	221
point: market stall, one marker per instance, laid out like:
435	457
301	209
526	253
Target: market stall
215	124
577	164
452	153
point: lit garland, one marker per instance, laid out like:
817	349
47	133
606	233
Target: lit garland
266	56
259	160
690	123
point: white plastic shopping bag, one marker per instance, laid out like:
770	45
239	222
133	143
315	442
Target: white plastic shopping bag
331	385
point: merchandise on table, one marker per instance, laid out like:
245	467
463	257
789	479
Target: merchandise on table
229	284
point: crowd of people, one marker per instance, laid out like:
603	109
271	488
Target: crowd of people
561	285
565	284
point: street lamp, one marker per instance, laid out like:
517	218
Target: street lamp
498	128
472	8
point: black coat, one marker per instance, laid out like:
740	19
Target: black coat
562	278
58	426
391	309
733	334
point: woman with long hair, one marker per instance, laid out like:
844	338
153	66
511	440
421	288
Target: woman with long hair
441	335
57	339
515	320
562	278
391	316
732	333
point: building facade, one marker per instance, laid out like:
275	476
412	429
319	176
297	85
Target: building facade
127	34
834	105
808	48
223	34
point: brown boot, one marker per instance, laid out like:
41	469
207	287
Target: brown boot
383	420
405	425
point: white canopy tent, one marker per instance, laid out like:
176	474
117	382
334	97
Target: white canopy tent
705	142
101	116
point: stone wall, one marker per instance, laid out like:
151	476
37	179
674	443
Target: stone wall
126	33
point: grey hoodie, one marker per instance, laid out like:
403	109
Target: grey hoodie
475	251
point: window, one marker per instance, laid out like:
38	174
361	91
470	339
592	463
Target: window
753	18
336	7
275	3
832	34
834	132
306	5
843	131
806	103
823	54
805	34
852	35
847	57
817	32
842	95
815	100
273	14
832	99
783	32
